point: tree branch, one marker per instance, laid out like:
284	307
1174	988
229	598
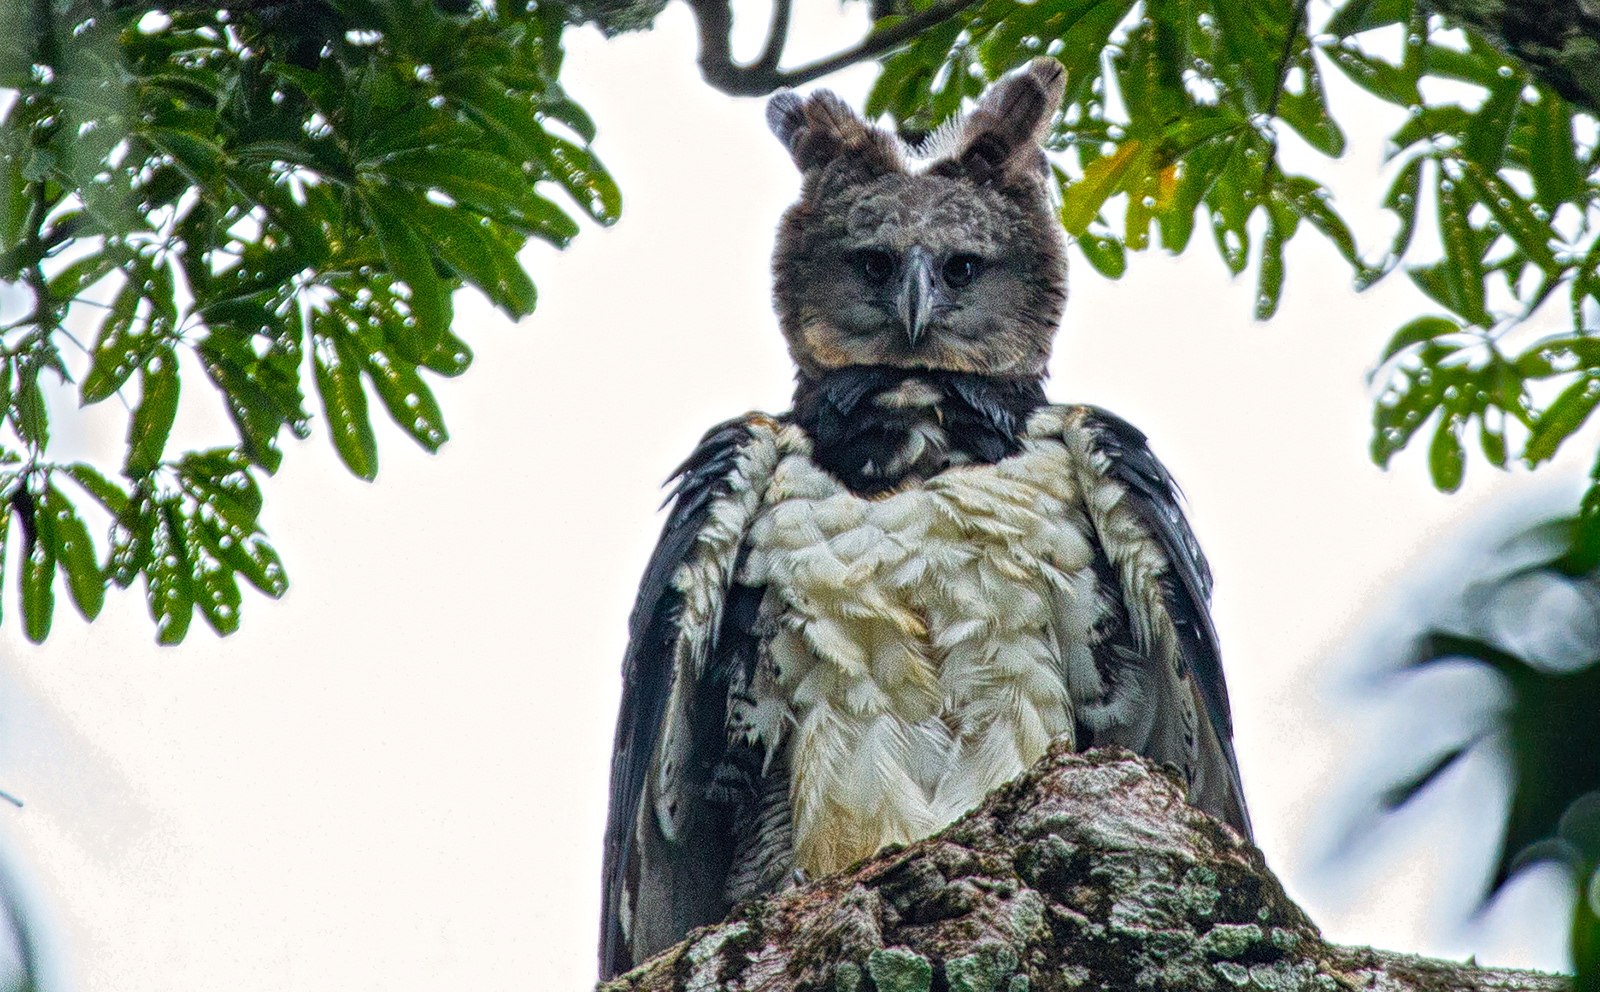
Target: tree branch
1089	872
714	19
777	36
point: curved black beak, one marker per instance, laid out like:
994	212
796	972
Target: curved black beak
915	300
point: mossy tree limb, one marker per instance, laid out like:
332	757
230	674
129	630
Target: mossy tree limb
1090	872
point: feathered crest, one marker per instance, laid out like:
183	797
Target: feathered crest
821	128
997	142
1000	140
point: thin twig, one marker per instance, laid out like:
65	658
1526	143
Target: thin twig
714	19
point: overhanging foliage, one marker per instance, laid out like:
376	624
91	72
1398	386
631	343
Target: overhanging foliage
268	194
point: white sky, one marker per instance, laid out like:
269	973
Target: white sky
396	777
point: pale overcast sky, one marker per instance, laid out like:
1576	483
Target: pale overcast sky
396	777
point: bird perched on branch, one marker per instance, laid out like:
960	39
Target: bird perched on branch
867	612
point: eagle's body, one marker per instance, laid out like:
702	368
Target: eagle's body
866	613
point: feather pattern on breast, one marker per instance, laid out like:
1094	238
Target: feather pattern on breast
918	638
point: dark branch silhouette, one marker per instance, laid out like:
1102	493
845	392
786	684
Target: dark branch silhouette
714	19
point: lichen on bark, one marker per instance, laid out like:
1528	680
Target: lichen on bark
1089	872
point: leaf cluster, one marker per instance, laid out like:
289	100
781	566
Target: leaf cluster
259	198
1174	118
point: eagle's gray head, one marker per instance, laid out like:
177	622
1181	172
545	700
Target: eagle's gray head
948	259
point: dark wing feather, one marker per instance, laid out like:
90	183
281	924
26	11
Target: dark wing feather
1155	496
647	666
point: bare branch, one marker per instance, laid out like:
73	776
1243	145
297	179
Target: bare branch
777	36
714	18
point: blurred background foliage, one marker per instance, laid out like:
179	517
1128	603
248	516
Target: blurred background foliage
275	198
1530	622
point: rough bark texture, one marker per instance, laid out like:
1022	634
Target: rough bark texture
1090	872
1558	40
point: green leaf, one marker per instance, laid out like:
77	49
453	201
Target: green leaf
338	374
1491	125
1553	153
1201	166
579	171
1446	459
117	350
1493	442
1516	217
1586	282
1104	252
1584	555
252	409
5	526
66	538
107	493
38	573
1251	42
1083	28
153	418
220	483
1357	16
1413	396
1382	79
1560	419
30	413
169	589
573	116
1309	199
1307	112
1401	200
1431	280
1479	65
411	262
251	556
408	399
1102	179
1269	285
1429	123
1231	211
1463	256
451	358
202	160
71	281
216	590
486	183
1417	331
415	127
476	252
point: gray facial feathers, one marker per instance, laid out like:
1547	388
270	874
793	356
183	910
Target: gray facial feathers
950	258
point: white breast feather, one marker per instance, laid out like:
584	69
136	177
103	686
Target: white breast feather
925	638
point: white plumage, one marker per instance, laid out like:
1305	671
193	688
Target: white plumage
924	636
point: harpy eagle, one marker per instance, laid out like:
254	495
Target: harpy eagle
867	612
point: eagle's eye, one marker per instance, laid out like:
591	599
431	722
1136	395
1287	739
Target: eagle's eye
875	265
961	270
